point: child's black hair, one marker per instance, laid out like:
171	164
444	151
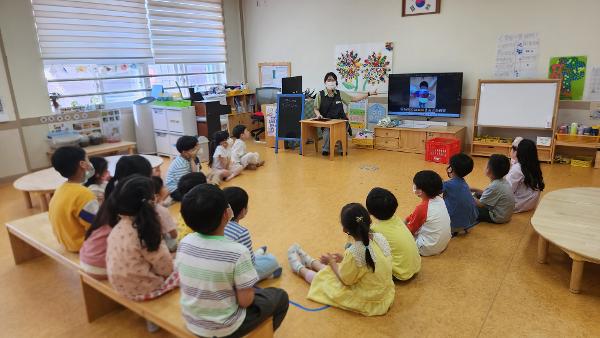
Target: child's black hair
134	196
237	198
332	74
429	182
461	164
66	160
499	165
357	223
530	165
423	84
186	143
100	165
238	130
218	137
381	203
127	166
188	181
158	183
202	208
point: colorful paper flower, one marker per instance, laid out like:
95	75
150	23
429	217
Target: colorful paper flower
348	65
375	68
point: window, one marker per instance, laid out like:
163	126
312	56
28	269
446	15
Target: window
114	52
120	84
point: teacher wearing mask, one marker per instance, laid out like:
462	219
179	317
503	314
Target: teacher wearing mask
330	103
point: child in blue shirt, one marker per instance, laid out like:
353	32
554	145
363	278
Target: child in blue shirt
266	264
457	195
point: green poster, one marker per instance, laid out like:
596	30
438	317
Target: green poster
571	69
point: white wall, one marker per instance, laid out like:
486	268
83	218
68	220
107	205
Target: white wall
462	38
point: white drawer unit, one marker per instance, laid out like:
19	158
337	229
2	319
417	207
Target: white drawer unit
159	117
170	123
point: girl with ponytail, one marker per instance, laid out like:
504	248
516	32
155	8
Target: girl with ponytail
359	280
138	262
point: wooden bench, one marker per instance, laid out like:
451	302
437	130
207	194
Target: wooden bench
32	237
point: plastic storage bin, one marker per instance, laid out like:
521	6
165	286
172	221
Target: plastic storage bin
440	149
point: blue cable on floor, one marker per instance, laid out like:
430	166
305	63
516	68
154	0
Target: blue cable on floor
309	309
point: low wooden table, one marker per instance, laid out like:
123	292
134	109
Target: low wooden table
107	148
44	182
570	219
337	132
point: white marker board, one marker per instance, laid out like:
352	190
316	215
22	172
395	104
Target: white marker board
517	104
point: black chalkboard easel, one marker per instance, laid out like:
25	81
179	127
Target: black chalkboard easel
290	110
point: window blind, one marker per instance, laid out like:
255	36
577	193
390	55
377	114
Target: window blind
187	31
92	30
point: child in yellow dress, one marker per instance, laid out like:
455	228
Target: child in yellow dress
360	280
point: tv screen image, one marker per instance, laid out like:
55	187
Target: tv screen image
425	94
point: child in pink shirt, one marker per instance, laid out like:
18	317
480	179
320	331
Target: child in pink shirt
138	262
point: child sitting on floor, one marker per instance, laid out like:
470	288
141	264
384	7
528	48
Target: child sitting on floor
220	159
73	206
92	255
496	203
265	263
525	175
429	222
406	261
138	262
457	195
187	183
360	280
218	297
239	154
97	183
186	162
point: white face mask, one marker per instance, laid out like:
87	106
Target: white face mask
89	173
330	85
414	189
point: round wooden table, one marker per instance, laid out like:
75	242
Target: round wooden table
44	182
570	219
155	162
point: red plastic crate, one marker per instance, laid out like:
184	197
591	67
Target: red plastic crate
440	149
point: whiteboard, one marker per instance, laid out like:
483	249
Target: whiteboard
524	104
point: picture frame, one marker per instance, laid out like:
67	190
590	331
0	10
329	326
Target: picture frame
420	7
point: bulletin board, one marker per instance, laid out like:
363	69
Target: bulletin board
271	73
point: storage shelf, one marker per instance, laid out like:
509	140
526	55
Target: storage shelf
492	144
577	144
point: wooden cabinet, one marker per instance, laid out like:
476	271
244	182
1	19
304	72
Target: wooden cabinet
413	140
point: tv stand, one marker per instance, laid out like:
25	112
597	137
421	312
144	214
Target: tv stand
412	140
420	124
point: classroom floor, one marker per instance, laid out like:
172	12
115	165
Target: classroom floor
487	283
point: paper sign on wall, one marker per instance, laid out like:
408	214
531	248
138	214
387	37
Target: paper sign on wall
357	112
517	55
593	87
270	119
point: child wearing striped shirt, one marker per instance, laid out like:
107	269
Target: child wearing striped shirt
217	275
265	263
185	163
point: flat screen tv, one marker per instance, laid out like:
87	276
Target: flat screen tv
291	85
425	94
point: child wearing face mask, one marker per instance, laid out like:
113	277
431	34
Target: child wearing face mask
97	183
187	162
73	206
429	222
329	104
457	194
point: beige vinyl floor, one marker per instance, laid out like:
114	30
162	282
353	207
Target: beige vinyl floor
486	284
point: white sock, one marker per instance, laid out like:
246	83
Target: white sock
305	258
294	260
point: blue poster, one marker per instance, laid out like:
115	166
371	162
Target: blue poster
375	113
